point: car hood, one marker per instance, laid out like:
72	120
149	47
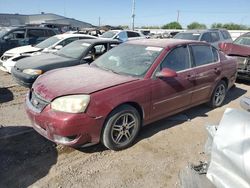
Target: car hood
23	49
45	61
235	49
83	79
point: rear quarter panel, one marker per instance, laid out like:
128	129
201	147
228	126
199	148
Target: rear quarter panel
229	68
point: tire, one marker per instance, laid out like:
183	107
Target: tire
121	128
219	95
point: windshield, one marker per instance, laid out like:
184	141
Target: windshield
129	59
244	40
74	49
109	34
48	42
188	36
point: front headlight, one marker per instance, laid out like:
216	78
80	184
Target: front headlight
32	71
71	103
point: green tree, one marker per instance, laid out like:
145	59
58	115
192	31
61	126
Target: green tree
229	26
233	26
196	25
172	25
217	26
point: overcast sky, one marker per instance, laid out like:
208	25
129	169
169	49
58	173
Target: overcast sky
148	13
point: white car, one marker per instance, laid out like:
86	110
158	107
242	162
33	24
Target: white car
123	35
52	44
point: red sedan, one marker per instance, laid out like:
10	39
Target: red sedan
132	85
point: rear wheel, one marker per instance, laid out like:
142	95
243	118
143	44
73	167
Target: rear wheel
121	128
218	95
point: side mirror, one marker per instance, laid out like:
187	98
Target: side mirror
58	47
88	59
166	73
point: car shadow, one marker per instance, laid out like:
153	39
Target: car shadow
25	156
166	123
5	95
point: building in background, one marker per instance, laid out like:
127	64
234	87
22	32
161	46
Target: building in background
43	19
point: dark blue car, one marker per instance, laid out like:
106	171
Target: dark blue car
14	37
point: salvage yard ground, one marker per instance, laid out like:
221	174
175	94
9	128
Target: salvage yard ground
161	151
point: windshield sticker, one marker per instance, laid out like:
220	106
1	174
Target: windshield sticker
85	44
155	49
196	34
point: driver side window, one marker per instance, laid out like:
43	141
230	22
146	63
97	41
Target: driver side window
178	59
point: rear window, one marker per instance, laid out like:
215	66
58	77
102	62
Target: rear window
188	36
132	34
226	34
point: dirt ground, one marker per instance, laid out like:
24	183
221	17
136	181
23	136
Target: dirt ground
161	151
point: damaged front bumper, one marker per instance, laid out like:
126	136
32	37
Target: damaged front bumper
64	128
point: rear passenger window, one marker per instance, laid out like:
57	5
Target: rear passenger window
203	55
177	60
132	34
34	33
226	35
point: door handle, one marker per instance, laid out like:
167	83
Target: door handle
191	77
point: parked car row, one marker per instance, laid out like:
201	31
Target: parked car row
52	44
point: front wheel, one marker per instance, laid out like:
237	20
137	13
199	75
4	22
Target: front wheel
219	95
121	128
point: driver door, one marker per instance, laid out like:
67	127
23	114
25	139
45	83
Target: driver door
170	95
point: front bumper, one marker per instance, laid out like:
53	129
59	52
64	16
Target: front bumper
22	78
64	128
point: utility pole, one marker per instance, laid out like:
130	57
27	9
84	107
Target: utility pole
178	14
133	15
99	21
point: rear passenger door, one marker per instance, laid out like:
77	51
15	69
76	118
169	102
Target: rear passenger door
207	68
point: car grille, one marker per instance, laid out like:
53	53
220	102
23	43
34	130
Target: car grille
37	101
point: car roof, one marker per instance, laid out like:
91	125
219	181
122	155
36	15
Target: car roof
98	40
117	30
69	35
164	43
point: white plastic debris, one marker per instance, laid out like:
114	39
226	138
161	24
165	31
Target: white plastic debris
230	157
